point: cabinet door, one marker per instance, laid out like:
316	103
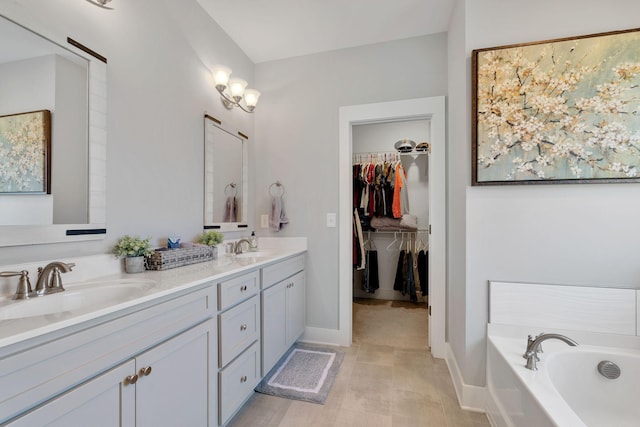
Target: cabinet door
274	325
296	308
105	401
176	380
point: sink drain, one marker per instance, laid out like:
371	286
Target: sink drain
609	369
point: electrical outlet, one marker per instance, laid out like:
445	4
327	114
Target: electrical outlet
264	221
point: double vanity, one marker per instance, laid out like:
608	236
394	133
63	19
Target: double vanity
184	346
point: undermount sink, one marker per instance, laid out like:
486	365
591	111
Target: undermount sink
257	254
80	297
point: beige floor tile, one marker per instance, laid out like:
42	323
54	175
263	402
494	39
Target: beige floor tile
351	418
388	378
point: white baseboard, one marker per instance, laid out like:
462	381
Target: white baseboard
470	397
324	336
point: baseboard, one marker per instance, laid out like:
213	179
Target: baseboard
470	397
324	336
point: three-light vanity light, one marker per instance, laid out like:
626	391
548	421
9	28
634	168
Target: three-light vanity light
234	90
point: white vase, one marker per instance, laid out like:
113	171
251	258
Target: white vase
134	264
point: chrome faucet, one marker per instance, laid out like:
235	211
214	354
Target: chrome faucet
49	279
237	249
534	347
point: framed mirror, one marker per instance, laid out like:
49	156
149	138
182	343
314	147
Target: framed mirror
225	183
41	72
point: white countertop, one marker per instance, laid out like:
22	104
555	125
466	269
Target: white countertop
165	283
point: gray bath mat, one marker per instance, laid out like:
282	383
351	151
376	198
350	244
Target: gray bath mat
306	373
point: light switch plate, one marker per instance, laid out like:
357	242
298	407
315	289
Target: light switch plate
264	221
331	220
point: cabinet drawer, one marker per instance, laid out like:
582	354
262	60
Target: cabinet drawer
232	291
239	328
275	273
237	381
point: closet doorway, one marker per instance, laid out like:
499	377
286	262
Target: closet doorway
428	113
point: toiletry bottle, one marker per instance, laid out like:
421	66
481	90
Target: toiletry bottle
253	242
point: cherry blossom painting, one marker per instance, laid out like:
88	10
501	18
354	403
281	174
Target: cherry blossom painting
558	111
25	143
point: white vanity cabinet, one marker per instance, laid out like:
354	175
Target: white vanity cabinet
283	308
239	341
149	366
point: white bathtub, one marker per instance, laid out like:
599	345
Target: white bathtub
566	391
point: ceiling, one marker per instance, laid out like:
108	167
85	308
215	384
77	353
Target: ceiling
268	30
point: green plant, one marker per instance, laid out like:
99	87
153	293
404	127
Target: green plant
210	238
130	246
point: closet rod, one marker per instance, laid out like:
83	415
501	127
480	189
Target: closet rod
425	230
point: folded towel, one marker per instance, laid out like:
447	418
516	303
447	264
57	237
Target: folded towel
230	209
277	216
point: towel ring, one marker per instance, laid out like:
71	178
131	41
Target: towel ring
279	185
231	185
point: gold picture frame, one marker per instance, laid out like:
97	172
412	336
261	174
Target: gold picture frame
558	111
25	146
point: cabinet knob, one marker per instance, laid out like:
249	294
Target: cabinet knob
243	379
131	379
145	371
243	288
243	327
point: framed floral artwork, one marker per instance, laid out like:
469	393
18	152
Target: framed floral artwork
25	146
557	111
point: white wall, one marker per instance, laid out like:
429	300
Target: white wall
159	86
572	234
381	137
298	124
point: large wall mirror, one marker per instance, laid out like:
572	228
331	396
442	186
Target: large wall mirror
43	72
225	169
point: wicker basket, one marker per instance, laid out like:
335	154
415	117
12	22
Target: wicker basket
164	259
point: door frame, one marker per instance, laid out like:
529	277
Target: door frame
433	109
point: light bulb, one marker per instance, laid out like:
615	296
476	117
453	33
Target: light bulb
251	97
221	75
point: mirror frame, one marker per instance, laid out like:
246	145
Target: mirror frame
95	229
228	226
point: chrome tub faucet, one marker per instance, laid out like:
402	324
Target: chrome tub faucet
534	347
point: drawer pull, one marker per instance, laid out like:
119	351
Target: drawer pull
131	379
243	379
243	327
145	371
243	288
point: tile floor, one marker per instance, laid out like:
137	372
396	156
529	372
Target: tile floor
388	379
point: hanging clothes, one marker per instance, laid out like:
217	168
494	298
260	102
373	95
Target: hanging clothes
399	282
370	278
360	256
423	271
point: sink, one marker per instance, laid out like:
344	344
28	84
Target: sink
257	254
91	295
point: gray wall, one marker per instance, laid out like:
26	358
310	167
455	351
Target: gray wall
570	234
298	125
159	85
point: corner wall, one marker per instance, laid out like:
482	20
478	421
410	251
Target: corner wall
298	124
158	87
557	234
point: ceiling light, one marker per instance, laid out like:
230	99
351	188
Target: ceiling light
234	90
101	3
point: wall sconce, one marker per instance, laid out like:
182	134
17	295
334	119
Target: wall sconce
233	91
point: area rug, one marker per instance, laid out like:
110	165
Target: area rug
305	372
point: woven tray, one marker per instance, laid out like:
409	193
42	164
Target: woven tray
164	259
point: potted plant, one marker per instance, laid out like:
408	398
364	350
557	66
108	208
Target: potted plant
134	250
212	239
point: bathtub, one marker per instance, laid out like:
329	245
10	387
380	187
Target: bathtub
566	391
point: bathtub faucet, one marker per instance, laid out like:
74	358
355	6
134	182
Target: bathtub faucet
533	348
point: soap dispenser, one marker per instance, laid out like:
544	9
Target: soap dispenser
253	242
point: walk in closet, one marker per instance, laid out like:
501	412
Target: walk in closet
391	227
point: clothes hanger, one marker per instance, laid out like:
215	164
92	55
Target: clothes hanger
395	239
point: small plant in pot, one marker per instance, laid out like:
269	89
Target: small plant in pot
212	239
134	250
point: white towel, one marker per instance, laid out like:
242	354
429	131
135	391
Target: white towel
278	216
